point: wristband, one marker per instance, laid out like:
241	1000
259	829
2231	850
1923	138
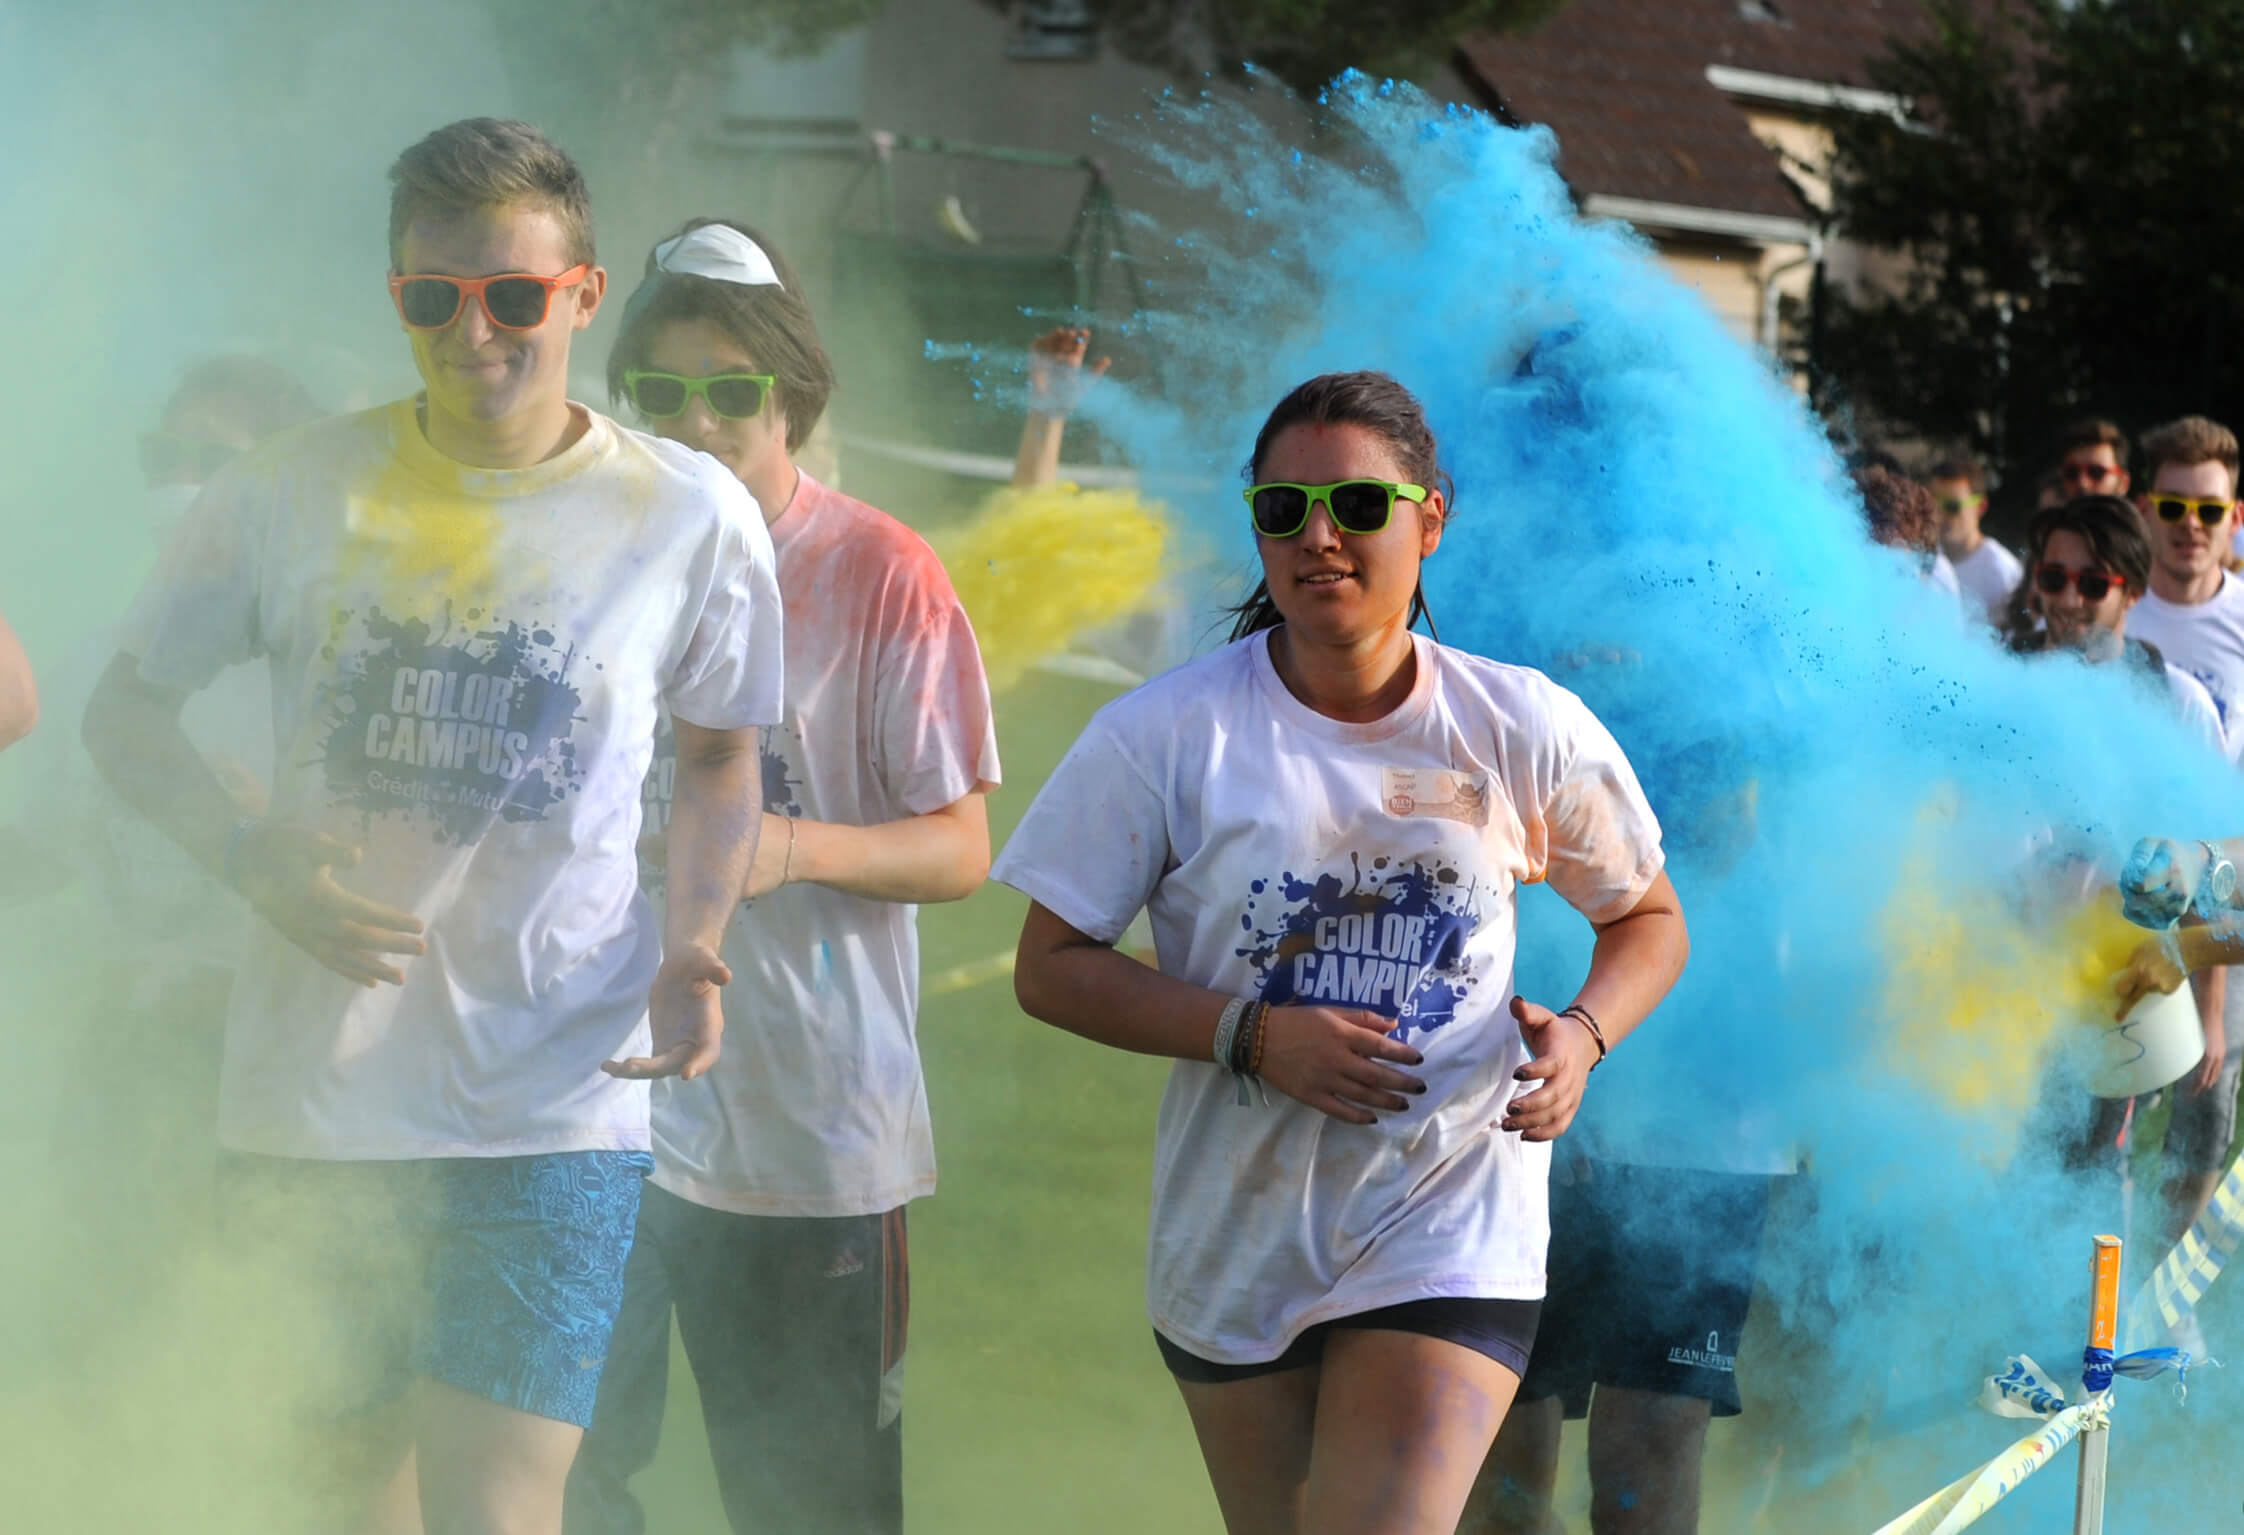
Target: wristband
234	835
1227	1031
1590	1023
787	869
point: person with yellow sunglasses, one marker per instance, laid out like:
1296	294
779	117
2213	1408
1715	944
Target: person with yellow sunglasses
2194	612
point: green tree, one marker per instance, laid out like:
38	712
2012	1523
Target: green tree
2060	190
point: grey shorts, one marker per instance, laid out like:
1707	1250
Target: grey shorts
2202	1124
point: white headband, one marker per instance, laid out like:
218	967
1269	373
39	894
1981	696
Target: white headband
718	251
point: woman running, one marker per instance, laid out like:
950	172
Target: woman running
1328	820
774	1221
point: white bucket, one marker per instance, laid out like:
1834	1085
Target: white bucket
2157	1044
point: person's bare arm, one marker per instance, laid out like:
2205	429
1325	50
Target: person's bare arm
1057	382
287	873
715	818
2210	988
1634	964
19	690
943	855
1332	1059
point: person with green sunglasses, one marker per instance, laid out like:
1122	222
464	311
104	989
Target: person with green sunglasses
1327	821
773	1227
1986	572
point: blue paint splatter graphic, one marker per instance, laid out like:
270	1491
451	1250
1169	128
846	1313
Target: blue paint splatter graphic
1389	939
461	728
782	790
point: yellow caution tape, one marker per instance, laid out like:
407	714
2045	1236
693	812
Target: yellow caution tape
2185	1274
1968	1498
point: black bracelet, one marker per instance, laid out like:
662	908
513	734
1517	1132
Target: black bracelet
1589	1022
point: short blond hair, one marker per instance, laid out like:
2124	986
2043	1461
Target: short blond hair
490	162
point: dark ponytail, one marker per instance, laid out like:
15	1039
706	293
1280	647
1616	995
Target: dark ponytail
1375	402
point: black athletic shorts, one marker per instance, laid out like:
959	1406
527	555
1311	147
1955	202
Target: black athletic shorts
1504	1330
1651	1274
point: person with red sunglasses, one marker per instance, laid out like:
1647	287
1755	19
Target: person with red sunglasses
2092	459
2089	568
475	603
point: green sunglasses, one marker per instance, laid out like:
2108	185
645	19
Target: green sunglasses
732	396
1281	508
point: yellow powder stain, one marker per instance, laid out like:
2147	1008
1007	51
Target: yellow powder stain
1039	567
409	538
1975	994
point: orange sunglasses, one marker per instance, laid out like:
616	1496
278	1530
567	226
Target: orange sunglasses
510	300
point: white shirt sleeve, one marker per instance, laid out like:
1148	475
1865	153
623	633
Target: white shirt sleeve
936	736
731	673
1096	840
1603	840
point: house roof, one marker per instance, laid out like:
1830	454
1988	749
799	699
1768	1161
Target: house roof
1623	83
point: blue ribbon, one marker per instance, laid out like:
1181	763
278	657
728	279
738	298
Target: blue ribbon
2149	1363
2096	1370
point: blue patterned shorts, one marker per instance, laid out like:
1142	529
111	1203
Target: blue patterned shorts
500	1276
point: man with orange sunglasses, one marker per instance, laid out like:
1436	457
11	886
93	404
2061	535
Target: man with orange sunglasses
474	602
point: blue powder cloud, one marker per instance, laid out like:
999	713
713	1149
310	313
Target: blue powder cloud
1649	513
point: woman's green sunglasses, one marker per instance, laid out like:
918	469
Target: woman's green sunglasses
732	396
1281	508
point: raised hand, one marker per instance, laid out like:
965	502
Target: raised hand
1058	379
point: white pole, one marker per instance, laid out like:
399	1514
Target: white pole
2103	1333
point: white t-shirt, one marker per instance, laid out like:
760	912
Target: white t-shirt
817	1106
2205	639
1942	575
2195	705
1988	575
466	669
1291	857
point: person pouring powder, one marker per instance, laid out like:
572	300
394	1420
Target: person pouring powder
1329	820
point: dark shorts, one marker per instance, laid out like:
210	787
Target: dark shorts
500	1276
795	1328
1504	1330
1651	1275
